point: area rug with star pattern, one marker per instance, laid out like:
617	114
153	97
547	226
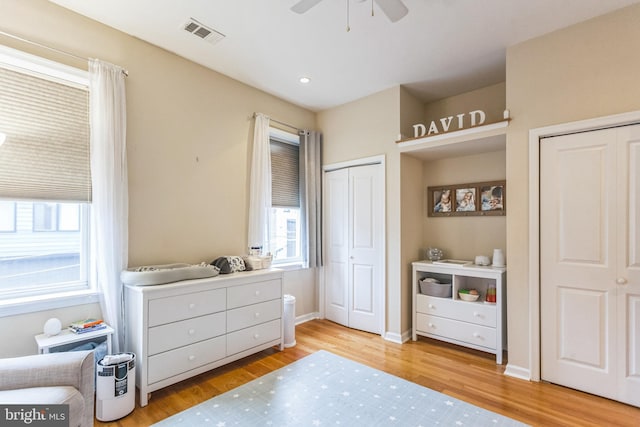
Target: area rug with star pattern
324	389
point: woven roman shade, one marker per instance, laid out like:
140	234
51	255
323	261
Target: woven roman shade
46	152
285	175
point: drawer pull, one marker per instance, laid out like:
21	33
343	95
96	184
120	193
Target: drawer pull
431	325
257	293
256	336
192	331
192	306
476	314
257	315
476	335
431	306
192	358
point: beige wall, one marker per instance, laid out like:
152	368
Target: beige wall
490	99
188	135
584	71
412	227
465	237
411	112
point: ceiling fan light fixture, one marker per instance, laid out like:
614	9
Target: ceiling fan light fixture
393	9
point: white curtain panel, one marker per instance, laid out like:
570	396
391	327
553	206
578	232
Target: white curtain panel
260	191
311	196
109	207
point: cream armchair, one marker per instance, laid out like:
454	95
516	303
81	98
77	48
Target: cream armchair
55	378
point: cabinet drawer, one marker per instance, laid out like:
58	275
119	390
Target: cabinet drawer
187	306
239	296
243	317
254	336
183	359
178	334
460	331
472	312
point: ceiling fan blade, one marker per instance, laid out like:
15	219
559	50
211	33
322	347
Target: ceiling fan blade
303	5
394	9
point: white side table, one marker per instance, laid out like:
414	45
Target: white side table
62	341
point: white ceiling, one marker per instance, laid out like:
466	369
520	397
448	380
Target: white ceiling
441	48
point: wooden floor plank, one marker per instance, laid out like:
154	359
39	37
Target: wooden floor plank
462	373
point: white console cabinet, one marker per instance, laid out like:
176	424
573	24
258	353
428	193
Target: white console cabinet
182	329
479	325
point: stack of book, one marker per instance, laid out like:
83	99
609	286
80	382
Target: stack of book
87	325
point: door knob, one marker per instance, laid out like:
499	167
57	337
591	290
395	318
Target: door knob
621	281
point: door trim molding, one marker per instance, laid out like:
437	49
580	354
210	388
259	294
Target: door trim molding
535	135
374	160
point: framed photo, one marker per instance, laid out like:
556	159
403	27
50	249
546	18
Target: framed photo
466	199
492	198
474	199
441	201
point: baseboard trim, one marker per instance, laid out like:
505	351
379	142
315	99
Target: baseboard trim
517	372
393	337
397	338
307	317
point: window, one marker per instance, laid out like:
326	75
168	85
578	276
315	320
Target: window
44	217
45	180
56	217
285	229
7	217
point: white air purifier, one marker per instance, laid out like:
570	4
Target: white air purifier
115	386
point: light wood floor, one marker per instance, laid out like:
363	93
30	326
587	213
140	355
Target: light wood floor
462	373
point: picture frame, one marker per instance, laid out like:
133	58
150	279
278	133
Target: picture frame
466	199
493	198
441	201
470	199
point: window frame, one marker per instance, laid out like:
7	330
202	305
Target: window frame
84	290
282	136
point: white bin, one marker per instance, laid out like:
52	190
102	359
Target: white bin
115	386
289	321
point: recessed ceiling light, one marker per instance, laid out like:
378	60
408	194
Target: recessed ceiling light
304	80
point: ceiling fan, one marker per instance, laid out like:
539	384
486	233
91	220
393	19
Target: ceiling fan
394	9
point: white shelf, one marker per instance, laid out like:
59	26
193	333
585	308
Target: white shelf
475	140
48	343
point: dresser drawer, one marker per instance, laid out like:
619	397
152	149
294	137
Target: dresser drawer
178	334
243	317
472	312
187	306
242	295
183	359
251	337
460	331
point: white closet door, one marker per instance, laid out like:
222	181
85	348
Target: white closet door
336	213
590	304
628	278
365	242
354	213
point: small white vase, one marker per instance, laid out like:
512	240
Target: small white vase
498	258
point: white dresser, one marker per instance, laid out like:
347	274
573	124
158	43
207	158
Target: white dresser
479	325
182	329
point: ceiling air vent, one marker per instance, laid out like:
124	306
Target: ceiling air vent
205	33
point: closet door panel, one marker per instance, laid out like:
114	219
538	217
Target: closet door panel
337	246
628	277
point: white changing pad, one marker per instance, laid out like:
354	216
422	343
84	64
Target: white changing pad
161	274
